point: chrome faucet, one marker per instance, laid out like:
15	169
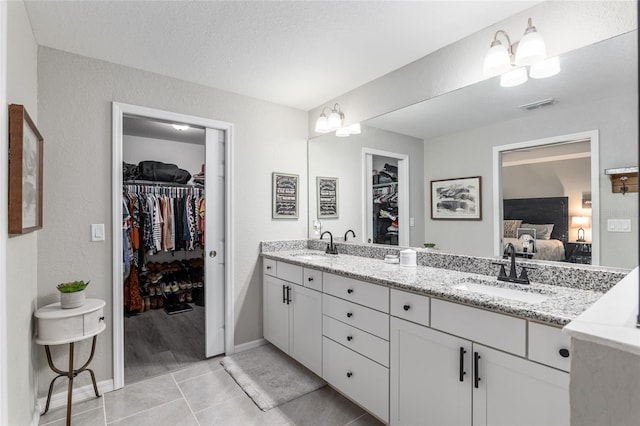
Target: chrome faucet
347	233
331	248
510	250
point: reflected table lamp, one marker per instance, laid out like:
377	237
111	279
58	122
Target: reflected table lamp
580	222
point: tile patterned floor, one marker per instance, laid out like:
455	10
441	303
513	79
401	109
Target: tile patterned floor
204	394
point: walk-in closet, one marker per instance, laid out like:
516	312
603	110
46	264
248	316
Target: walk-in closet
385	200
164	200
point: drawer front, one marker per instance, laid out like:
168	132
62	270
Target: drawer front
269	267
358	316
312	279
371	295
60	328
409	306
491	329
548	345
289	272
92	321
361	379
360	341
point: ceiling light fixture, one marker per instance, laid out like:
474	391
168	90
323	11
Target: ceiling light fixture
529	51
180	127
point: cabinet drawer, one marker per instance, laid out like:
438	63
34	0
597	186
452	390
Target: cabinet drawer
371	295
409	306
269	267
496	330
92	321
312	279
360	341
361	379
545	345
289	272
358	316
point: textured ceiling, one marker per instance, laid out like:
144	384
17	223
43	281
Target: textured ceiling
295	53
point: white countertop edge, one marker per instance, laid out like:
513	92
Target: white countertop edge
611	321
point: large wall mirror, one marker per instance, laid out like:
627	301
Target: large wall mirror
456	135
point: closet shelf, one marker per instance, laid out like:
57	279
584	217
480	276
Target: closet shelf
156	183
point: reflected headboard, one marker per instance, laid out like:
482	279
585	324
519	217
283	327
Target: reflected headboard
541	211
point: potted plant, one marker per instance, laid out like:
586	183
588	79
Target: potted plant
72	294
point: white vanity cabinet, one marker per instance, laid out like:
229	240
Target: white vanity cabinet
449	376
292	315
356	341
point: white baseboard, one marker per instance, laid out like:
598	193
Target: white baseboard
250	345
79	394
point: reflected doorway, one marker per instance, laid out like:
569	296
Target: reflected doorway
386	202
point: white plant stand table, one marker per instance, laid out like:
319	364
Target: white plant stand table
57	326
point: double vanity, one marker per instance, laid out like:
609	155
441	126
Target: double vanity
425	345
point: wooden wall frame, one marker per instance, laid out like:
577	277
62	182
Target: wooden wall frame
25	172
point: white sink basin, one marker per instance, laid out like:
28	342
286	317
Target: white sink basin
505	293
311	256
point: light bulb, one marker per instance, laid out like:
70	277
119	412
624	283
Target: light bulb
355	129
497	60
514	78
531	48
334	122
547	68
321	124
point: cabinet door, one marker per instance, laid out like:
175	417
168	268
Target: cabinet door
305	341
275	312
425	376
514	391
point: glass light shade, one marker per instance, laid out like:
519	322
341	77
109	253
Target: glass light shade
547	68
531	49
497	60
334	122
514	78
355	129
343	132
322	125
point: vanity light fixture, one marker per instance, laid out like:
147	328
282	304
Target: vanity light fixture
326	124
180	127
345	131
529	51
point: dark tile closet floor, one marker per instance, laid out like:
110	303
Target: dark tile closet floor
157	343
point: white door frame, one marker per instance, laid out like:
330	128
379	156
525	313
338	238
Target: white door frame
403	194
593	136
4	144
118	112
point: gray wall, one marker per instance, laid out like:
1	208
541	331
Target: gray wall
605	385
613	117
332	156
75	95
570	24
22	253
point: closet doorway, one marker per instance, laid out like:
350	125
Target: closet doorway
386	204
172	241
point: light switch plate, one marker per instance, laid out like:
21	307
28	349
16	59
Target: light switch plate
97	232
619	225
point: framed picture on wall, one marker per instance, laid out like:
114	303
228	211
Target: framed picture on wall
456	199
285	196
25	172
327	190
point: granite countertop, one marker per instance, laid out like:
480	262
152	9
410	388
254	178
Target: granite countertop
562	305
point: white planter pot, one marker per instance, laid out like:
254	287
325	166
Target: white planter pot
72	300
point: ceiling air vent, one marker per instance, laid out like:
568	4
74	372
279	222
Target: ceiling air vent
538	104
